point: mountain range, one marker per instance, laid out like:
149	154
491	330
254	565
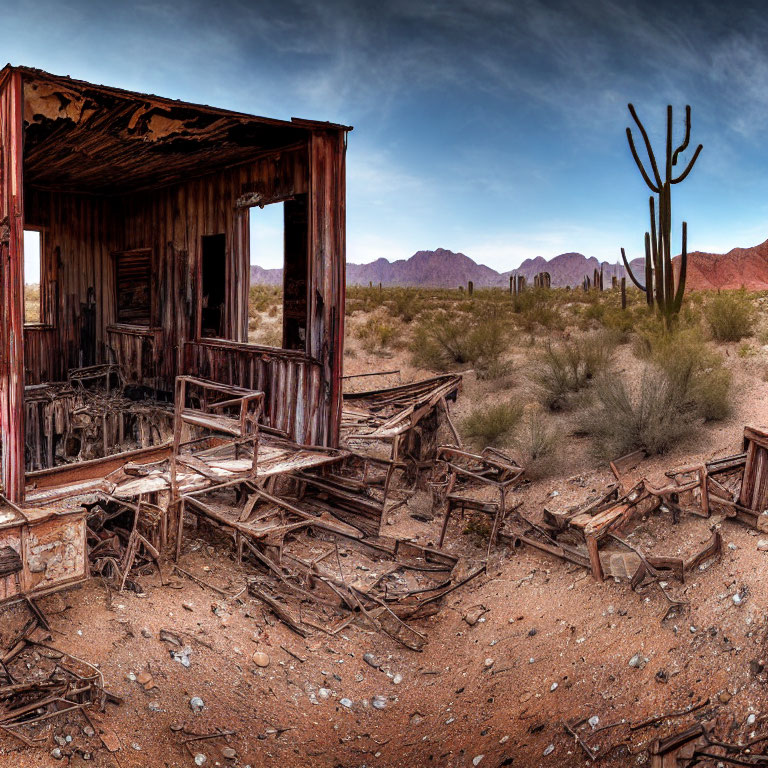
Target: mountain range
442	268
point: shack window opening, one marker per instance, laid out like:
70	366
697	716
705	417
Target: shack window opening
277	314
32	261
214	285
133	280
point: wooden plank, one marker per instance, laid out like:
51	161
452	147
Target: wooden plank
12	290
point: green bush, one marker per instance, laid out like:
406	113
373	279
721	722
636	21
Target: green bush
488	424
731	315
695	369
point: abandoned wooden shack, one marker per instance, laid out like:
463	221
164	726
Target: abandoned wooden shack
141	206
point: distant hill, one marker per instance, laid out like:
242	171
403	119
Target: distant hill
442	268
445	269
261	276
739	267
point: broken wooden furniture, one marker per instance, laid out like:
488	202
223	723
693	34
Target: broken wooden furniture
736	486
220	409
323	492
405	418
41	549
107	377
605	533
88	417
459	475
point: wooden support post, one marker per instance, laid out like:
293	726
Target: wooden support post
623	292
470	287
12	289
511	285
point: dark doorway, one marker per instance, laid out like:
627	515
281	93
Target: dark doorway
213	289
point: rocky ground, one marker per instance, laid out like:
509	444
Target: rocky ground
510	658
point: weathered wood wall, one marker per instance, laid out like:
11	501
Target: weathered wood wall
11	288
80	233
291	382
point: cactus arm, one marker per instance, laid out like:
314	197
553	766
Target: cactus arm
648	148
639	163
689	167
683	270
687	138
629	271
668	168
648	270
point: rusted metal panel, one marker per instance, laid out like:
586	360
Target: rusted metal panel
11	289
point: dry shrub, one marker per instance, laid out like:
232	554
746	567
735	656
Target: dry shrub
377	335
565	369
405	303
262	298
683	383
538	445
651	415
442	341
538	307
695	369
489	424
731	315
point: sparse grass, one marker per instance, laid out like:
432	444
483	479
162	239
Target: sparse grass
489	424
567	368
730	315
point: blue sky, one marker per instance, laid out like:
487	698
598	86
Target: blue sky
488	127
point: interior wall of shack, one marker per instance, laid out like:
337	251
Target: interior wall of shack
82	231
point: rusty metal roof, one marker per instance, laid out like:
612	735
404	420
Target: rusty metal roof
83	137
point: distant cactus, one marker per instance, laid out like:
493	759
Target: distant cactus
542	280
659	285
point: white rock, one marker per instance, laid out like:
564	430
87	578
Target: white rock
477	759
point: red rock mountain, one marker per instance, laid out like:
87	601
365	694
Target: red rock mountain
739	267
444	268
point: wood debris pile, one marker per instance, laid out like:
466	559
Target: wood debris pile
321	560
46	694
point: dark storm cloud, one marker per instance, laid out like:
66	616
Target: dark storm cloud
493	127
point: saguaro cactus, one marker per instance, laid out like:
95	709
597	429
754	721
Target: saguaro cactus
659	285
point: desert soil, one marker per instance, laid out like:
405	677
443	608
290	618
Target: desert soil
551	645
